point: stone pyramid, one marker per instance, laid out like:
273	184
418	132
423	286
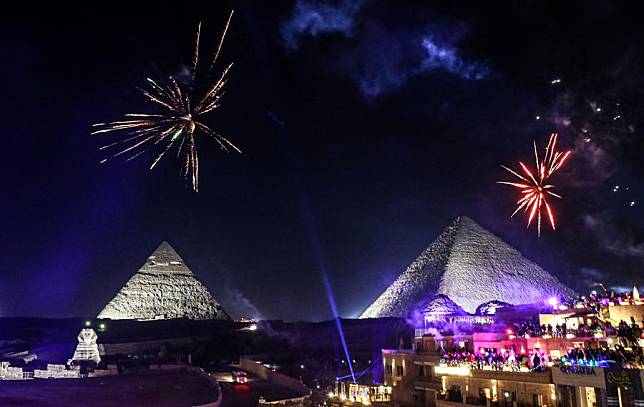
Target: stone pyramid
163	288
471	266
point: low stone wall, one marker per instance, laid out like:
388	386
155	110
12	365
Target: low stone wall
277	378
13	373
57	372
112	370
168	366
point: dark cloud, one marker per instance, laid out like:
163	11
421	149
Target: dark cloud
612	239
591	276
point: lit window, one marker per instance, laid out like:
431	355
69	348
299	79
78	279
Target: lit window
399	371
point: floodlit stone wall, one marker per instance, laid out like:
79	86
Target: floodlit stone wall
57	372
10	373
624	313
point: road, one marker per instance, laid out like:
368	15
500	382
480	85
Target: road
246	395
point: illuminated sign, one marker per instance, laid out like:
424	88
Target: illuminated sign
585	370
620	378
460	319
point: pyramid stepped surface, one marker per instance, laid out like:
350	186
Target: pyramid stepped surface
471	266
163	288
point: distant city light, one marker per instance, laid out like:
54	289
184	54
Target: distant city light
252	327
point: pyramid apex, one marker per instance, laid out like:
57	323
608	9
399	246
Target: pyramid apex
165	258
462	219
164	245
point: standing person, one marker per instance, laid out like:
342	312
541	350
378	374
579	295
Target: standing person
536	361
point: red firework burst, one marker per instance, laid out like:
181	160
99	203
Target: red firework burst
535	188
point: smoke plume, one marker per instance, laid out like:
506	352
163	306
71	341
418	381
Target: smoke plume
314	18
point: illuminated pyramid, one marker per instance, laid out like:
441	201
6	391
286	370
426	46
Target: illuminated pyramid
163	288
470	266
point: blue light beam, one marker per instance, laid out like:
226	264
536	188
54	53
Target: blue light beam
338	324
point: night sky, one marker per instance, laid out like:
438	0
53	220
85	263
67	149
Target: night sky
366	127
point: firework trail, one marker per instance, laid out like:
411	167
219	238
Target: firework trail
183	107
535	188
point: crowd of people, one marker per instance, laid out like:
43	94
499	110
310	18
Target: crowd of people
535	360
613	345
626	333
602	298
532	329
617	356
